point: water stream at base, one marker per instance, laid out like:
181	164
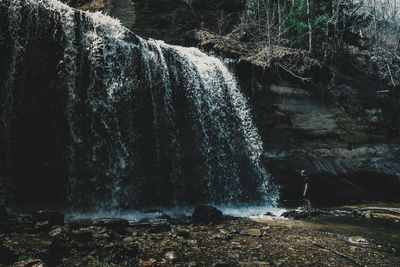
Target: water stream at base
181	213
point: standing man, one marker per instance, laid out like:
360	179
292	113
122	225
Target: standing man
307	187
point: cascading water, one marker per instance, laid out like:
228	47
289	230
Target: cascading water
149	124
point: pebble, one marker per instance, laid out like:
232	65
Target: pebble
170	256
359	240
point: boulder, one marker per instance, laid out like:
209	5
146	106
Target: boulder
378	213
206	214
304	214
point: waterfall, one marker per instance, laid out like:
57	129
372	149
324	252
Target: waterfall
150	124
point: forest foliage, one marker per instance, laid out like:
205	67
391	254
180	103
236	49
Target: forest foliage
338	22
329	29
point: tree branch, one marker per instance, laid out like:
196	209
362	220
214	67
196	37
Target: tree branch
303	79
356	262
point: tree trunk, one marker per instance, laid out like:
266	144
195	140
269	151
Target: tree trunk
311	18
279	22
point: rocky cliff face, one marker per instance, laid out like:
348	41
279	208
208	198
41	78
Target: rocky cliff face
346	135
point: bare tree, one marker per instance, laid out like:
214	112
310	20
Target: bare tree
222	20
279	11
310	19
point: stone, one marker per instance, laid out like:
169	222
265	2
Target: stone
52	217
116	224
170	256
148	263
56	231
253	232
353	249
367	215
216	236
304	214
29	263
363	214
3	214
207	214
359	240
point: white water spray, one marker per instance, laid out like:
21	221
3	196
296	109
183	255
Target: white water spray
149	123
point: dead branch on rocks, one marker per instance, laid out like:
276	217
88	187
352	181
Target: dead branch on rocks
355	261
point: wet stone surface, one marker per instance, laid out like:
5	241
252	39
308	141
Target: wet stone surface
231	242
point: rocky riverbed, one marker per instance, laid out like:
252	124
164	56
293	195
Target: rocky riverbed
347	236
